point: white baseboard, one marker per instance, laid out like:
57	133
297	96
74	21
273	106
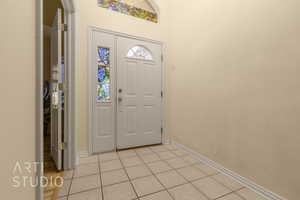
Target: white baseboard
167	142
81	155
244	181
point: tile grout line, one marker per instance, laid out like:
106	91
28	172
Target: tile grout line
248	184
207	176
224	195
226	185
137	196
71	182
191	182
99	169
115	183
165	161
152	174
156	177
139	155
233	191
239	195
188	182
72	179
100	176
173	168
83	191
145	162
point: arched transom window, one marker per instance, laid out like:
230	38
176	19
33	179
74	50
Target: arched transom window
137	8
139	52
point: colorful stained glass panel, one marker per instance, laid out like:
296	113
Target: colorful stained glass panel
103	74
125	8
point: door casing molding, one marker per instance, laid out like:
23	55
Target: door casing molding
71	67
92	29
71	155
39	118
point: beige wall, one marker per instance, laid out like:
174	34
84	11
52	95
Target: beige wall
91	14
234	86
231	78
17	86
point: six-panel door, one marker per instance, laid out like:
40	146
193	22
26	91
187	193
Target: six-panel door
126	102
139	93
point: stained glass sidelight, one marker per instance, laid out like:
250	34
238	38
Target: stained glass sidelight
103	74
141	8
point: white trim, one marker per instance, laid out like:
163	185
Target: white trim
75	60
242	180
165	138
90	92
70	67
95	28
68	5
165	135
39	114
82	154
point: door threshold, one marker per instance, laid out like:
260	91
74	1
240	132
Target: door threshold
132	148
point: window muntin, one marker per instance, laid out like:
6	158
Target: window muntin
136	8
103	75
139	52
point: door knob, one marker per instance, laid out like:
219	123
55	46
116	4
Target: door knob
120	90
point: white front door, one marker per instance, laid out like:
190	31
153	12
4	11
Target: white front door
125	91
139	91
57	80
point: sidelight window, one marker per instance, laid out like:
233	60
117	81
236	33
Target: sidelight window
103	75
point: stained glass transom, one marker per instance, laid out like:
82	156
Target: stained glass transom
103	74
139	52
137	8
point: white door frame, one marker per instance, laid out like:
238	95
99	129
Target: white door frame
39	98
71	44
92	29
70	18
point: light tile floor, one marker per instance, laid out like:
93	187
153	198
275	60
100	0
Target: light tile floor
161	172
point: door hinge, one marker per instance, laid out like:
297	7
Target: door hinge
161	130
162	94
63	146
162	57
64	27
